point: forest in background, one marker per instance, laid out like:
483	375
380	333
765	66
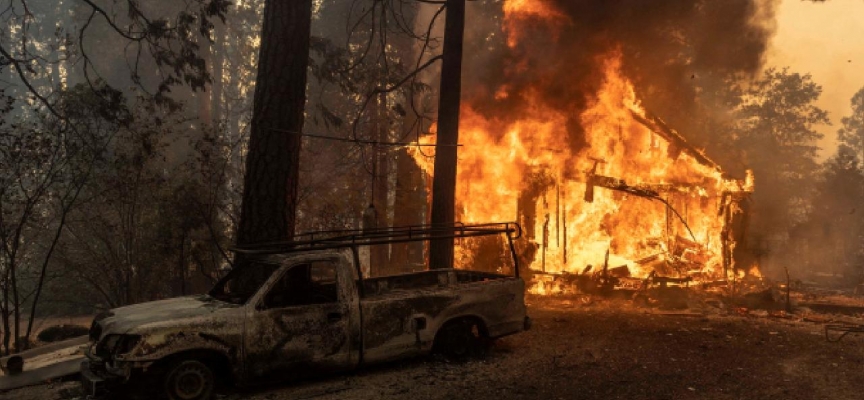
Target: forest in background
125	124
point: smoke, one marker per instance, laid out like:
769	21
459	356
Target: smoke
677	53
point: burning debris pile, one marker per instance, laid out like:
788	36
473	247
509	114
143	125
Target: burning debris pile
608	195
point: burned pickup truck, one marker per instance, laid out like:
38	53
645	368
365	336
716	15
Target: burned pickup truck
299	309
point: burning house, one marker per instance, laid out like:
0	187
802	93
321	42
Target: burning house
601	187
636	200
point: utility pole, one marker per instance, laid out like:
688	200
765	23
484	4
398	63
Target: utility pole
444	179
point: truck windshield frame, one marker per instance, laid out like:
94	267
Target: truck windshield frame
241	284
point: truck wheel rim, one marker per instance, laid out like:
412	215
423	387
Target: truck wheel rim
190	382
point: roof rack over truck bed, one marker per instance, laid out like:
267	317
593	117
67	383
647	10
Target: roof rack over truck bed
350	238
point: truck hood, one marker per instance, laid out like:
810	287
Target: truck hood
173	313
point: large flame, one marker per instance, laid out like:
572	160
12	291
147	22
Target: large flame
523	169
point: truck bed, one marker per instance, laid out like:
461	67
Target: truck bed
402	313
420	280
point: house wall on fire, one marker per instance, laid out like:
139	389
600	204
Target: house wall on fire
545	203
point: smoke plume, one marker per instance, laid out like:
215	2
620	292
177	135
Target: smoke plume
677	53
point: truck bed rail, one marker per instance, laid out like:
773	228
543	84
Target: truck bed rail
323	240
349	238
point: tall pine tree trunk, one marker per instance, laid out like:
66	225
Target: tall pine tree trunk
218	58
203	97
381	174
234	82
444	180
270	184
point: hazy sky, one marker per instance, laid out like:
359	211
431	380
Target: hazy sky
826	40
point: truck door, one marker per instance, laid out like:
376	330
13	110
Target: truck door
301	324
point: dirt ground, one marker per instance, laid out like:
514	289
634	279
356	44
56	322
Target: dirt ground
605	350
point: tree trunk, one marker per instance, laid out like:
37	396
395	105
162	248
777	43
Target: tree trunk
53	20
409	207
203	97
381	186
229	110
181	264
270	184
7	331
409	194
64	212
218	58
16	303
444	180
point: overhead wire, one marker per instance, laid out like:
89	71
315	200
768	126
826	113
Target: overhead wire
365	142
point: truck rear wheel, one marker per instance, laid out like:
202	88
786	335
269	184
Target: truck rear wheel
460	339
189	380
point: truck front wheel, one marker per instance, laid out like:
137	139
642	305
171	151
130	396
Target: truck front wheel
189	380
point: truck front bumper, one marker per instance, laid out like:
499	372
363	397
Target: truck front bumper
96	380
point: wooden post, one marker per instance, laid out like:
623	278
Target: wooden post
444	181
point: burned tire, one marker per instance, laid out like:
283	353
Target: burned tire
461	339
189	380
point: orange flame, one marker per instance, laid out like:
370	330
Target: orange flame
523	169
517	10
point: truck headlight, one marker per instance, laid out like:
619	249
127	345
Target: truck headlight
96	328
115	345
